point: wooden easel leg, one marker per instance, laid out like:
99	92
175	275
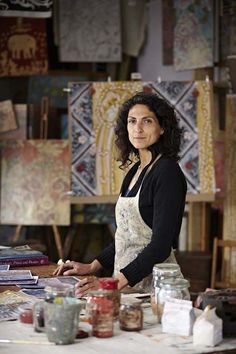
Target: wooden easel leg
17	233
57	237
68	242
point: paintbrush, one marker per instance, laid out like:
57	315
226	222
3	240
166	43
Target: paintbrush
19	341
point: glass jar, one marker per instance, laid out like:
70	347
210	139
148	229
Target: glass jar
112	292
162	271
131	315
25	313
60	290
100	309
171	288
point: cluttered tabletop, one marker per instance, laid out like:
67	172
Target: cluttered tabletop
73	325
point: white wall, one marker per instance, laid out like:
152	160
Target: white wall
150	60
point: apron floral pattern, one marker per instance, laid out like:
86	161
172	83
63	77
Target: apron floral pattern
133	235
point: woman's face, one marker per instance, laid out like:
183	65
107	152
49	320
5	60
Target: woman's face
143	127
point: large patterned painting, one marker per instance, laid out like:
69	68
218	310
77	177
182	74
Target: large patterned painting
186	98
193	34
89	31
107	99
83	150
35	180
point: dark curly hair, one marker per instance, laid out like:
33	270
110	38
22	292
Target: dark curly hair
168	144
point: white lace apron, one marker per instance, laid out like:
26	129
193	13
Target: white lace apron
132	235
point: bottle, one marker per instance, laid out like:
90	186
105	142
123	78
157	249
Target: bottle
131	315
112	292
171	288
162	271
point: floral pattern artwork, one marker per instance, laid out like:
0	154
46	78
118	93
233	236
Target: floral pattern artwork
83	150
193	34
35	180
107	99
7	117
182	96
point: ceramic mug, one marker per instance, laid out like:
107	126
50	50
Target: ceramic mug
62	319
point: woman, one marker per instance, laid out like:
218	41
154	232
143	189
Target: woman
150	207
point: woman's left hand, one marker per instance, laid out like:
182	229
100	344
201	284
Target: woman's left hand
85	285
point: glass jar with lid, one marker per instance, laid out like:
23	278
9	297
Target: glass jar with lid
99	311
162	271
111	286
171	288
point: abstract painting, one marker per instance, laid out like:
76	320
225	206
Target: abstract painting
193	34
35	180
89	31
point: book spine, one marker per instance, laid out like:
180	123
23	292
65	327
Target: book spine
26	261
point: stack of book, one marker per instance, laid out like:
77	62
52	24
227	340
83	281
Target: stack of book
22	256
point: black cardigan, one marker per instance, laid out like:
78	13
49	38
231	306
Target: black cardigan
161	204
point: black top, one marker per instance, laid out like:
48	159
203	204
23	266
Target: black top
161	204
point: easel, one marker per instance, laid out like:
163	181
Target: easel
43	135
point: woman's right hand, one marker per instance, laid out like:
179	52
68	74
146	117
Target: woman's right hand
73	268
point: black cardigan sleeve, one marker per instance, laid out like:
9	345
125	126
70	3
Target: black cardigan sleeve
163	193
107	256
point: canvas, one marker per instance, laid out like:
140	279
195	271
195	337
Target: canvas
89	31
191	101
193	34
21	119
7	117
23	46
83	150
35	179
107	99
